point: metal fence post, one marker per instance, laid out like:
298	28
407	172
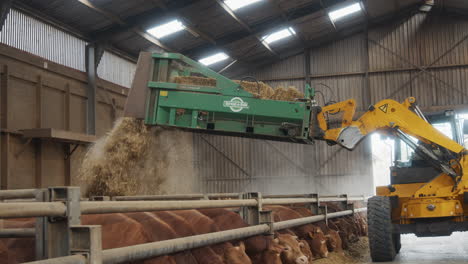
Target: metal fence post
251	214
323	210
57	229
42	195
347	204
87	241
266	217
314	206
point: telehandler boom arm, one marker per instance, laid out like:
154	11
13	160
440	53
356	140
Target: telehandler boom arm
401	119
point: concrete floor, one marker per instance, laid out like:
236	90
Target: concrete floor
430	250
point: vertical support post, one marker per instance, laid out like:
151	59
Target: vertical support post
307	66
5	160
67	126
39	102
91	72
67	161
251	214
5	137
87	240
67	110
323	209
347	205
38	160
367	90
314	207
266	217
42	195
57	241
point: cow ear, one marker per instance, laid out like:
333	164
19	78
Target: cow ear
310	235
242	246
276	241
301	244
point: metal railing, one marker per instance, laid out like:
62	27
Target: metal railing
63	205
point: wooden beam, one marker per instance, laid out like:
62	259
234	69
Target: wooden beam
58	135
39	102
38	161
67	108
5	161
67	167
4	97
115	19
5	137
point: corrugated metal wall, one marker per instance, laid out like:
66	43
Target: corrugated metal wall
115	69
31	35
369	66
34	36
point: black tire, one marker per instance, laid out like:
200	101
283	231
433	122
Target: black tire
397	242
381	239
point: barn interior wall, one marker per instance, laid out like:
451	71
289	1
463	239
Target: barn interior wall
37	93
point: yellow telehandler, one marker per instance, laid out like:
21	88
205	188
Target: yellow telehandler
428	194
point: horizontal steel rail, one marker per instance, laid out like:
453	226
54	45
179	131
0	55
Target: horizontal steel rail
192	196
18	194
17	232
75	259
38	209
105	207
32	209
155	249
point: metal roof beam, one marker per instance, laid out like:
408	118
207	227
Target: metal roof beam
298	35
188	25
117	20
245	26
5	7
267	24
144	18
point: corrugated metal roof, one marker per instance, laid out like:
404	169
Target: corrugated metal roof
308	17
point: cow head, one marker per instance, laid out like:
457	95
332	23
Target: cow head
333	241
272	255
291	250
318	243
304	246
236	255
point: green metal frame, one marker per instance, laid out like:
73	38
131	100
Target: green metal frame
224	109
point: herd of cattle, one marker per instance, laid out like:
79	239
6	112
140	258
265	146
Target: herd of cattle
300	245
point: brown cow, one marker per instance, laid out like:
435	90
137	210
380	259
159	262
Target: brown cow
270	255
332	236
291	253
202	224
305	248
157	230
19	250
4	252
120	230
318	243
261	249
